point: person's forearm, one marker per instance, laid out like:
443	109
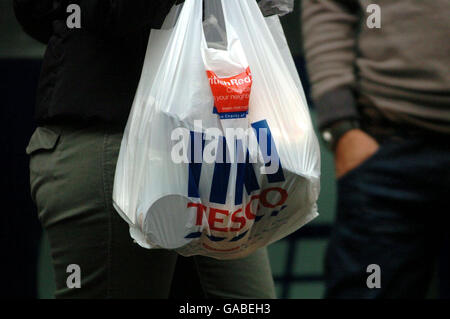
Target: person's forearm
329	32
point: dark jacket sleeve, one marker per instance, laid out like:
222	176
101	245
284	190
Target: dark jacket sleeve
105	17
36	16
120	17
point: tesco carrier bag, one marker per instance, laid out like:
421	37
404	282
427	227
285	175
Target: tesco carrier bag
219	156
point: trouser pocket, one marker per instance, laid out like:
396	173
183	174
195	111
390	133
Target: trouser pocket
41	149
43	139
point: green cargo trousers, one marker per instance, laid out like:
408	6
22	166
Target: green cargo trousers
72	173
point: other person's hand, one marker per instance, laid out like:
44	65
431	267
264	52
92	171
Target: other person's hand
352	149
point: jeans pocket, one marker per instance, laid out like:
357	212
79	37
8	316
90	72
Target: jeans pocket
364	164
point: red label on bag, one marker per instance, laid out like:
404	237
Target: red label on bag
231	95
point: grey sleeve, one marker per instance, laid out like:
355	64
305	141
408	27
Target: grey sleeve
329	33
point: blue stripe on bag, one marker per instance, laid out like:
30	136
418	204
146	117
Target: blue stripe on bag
279	175
195	169
221	174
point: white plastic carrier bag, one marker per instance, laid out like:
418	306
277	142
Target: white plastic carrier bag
219	156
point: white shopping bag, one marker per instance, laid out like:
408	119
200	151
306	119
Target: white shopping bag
219	157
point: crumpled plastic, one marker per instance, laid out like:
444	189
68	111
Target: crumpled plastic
273	7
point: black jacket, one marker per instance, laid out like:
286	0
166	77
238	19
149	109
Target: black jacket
90	74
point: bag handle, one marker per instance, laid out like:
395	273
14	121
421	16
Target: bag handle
225	60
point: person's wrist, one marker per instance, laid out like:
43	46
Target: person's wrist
331	134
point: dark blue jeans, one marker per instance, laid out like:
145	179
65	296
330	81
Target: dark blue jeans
392	211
